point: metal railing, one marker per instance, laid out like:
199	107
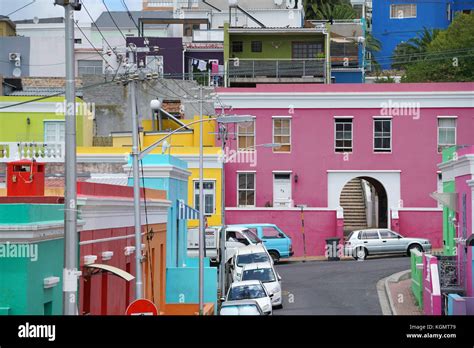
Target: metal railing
276	68
449	273
38	151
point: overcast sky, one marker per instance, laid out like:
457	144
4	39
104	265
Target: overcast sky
46	8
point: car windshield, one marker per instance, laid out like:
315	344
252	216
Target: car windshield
252	258
247	309
251	236
265	275
246	292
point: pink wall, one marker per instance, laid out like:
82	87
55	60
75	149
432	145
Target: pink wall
319	225
431	290
422	224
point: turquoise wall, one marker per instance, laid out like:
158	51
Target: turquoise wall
181	272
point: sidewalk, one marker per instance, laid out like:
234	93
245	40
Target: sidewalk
399	299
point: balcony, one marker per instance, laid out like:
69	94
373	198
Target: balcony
242	71
40	152
208	35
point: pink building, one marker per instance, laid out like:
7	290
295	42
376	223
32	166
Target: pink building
354	155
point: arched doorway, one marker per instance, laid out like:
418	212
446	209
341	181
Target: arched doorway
365	204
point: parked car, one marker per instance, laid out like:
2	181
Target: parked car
278	244
242	307
250	290
362	243
236	237
246	255
271	280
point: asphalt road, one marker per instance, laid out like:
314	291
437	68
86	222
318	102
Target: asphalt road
335	287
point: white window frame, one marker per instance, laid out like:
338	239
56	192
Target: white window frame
254	189
382	150
248	135
392	10
196	194
440	147
344	119
277	150
45	122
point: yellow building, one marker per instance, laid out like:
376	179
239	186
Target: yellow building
185	145
7	27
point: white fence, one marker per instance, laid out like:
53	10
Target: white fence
40	152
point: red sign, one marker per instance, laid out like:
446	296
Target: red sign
142	307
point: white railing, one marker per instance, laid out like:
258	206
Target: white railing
41	152
208	35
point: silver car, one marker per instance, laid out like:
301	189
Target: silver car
362	243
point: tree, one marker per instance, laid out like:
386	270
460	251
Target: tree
373	45
449	57
414	49
312	7
337	11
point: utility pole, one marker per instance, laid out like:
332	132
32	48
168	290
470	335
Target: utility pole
70	271
222	273
136	180
202	239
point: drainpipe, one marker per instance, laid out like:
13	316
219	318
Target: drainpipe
328	53
184	62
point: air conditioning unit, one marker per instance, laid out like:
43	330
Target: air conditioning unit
14	56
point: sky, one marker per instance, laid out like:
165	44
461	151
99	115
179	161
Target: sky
46	8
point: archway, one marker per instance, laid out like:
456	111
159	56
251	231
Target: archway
365	204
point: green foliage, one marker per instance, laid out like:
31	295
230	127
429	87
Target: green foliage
373	45
414	49
448	57
328	9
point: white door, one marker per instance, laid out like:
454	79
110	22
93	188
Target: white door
54	131
282	190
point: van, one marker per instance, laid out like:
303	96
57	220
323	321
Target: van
236	237
278	244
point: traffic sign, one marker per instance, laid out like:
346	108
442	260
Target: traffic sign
142	307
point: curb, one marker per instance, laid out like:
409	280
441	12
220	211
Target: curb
383	290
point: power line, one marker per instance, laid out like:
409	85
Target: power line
113	20
130	15
95	24
90	42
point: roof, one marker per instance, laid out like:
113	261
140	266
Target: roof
41	92
123	20
275	30
258	265
8	20
250	249
41	20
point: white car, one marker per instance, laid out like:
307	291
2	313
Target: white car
248	254
270	279
241	307
250	290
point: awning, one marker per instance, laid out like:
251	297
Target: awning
117	271
447	199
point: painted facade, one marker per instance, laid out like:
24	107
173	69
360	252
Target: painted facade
403	169
397	21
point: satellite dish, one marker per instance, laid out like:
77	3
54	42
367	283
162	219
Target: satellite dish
17	72
290	3
36	20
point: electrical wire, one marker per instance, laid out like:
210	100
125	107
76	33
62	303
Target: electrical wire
113	20
130	15
98	29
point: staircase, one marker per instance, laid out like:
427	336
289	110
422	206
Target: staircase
353	203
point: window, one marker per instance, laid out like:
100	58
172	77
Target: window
446	132
234	236
382	135
246	189
237	46
271	233
282	134
402	11
386	234
369	235
343	137
209	193
306	50
78	41
256	46
89	67
54	131
246	136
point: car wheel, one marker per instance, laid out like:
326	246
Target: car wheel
275	256
413	247
280	306
360	253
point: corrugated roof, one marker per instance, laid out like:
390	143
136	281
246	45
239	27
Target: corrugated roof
41	92
123	20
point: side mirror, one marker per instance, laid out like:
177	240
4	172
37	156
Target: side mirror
279	277
399	237
222	299
271	295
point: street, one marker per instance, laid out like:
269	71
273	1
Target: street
335	288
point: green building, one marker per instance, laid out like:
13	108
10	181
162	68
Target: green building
31	258
276	55
449	228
